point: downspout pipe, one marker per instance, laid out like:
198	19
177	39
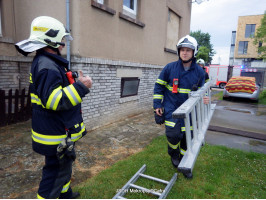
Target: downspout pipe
68	28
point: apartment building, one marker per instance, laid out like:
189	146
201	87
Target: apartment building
122	44
243	51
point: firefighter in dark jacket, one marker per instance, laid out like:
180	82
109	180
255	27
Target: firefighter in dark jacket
171	90
56	105
201	63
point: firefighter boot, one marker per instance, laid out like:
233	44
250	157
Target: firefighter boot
175	161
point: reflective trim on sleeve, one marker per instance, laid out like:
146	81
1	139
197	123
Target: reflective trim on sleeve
65	187
76	136
47	139
72	95
54	98
168	123
157	96
35	99
161	82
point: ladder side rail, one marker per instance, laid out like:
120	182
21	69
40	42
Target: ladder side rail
188	134
194	125
132	180
199	119
168	187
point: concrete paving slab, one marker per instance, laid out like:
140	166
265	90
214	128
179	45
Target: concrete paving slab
236	142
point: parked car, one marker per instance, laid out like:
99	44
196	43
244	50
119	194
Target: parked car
242	87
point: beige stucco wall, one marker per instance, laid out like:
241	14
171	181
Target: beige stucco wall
98	34
252	51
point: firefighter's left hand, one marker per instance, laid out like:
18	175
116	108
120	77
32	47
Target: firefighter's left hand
206	100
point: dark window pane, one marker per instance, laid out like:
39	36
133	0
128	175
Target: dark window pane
129	86
242	47
233	40
250	30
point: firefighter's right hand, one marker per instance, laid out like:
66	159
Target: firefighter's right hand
86	80
159	111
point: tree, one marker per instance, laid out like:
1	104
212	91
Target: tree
203	53
260	38
203	40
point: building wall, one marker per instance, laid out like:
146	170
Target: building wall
103	35
252	51
107	46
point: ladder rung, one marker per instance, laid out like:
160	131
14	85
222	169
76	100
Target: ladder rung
155	179
145	189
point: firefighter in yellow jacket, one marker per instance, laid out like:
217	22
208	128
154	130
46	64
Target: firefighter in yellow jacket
56	105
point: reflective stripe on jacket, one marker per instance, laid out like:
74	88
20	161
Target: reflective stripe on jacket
164	97
56	105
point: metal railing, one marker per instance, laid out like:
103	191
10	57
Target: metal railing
195	111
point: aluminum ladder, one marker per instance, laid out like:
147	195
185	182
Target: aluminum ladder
130	184
200	114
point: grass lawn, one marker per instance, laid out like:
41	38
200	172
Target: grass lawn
219	172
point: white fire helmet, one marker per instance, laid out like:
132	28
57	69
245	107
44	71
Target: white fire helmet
201	62
189	42
45	31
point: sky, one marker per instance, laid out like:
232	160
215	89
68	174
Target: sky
219	18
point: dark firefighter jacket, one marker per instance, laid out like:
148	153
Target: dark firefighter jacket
56	105
164	97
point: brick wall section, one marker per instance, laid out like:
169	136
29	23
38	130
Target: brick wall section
14	74
103	104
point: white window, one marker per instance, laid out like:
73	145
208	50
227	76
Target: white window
130	6
100	1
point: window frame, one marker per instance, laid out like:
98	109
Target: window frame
251	31
243	52
132	11
123	80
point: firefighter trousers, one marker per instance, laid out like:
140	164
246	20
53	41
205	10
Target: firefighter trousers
56	177
176	141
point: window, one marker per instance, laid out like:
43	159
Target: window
129	86
242	48
233	39
260	45
172	36
130	6
100	1
250	30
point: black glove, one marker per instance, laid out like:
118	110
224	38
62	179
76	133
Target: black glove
70	151
159	119
61	149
